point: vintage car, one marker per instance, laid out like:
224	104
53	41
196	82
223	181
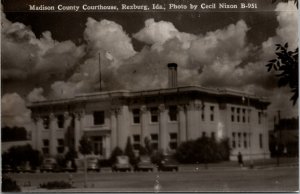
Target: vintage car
93	163
144	164
168	163
122	164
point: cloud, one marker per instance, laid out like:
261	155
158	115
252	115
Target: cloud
109	36
36	95
14	111
24	56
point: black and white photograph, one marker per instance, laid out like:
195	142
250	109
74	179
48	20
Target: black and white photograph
149	96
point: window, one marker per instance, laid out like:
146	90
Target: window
203	113
259	117
46	122
136	142
136	116
98	117
239	140
61	146
60	121
154	141
154	114
213	136
212	108
232	114
173	141
233	140
245	140
249	115
173	113
260	140
203	134
238	114
45	148
244	115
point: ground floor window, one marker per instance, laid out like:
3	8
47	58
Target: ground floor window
136	142
61	146
173	141
233	140
154	141
97	144
45	148
260	140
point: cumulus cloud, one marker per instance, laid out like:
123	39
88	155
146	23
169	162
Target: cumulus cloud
24	56
109	36
36	95
14	111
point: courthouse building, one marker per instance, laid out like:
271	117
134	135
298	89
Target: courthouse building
167	117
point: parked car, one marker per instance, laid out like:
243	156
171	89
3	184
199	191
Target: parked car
168	163
144	164
49	165
25	168
93	164
122	164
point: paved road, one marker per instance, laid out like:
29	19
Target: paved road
201	180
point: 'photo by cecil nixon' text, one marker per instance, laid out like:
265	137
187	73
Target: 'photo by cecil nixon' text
144	7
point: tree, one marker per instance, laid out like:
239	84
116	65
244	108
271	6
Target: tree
129	152
85	146
286	64
295	2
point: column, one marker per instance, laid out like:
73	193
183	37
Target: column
182	124
77	130
67	122
107	146
38	133
163	137
122	126
144	124
192	127
53	140
113	127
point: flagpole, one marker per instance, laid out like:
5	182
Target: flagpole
100	71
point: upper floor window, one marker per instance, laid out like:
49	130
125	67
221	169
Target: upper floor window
46	122
232	114
136	116
238	114
98	117
203	112
45	147
212	113
259	117
60	121
173	113
154	114
244	115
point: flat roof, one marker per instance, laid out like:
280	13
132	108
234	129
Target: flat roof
150	92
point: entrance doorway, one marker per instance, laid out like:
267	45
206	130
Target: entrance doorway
97	142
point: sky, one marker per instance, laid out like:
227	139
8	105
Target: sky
50	55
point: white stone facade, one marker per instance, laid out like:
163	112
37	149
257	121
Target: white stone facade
166	117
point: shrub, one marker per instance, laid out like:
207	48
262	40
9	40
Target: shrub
9	185
156	156
18	155
203	150
116	152
56	185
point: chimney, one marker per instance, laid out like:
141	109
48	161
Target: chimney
172	75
